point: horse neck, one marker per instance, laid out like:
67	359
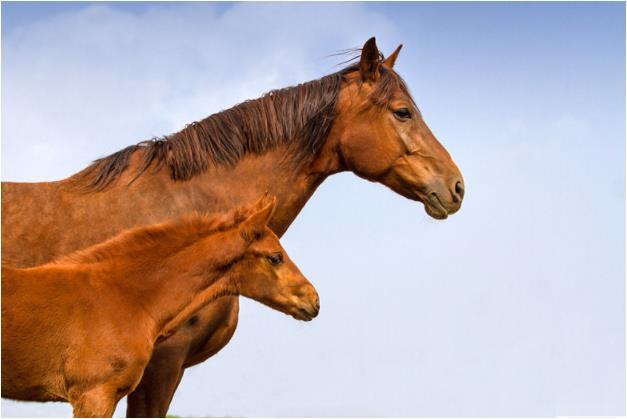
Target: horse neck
221	188
164	287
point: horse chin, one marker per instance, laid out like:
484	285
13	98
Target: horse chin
432	203
435	213
434	208
302	316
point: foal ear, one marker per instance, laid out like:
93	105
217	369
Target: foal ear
369	61
254	226
261	202
389	61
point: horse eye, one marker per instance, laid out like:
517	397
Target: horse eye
402	114
276	259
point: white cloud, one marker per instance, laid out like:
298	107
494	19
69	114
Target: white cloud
83	84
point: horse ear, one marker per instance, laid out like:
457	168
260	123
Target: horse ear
389	61
253	227
261	202
369	61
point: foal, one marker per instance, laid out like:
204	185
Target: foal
82	329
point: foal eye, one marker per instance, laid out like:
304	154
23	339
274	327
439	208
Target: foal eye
402	114
276	259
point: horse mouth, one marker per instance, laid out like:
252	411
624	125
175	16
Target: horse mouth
434	207
304	314
432	203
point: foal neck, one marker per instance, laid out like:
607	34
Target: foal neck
159	269
187	279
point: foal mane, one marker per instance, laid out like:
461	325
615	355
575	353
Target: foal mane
299	116
157	241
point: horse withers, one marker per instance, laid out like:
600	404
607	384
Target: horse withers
82	329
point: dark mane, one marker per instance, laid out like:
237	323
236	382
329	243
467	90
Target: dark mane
299	116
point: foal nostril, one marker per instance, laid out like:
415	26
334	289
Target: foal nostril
316	307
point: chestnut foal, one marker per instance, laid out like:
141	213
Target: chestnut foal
82	329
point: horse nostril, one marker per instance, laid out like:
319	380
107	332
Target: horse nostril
459	189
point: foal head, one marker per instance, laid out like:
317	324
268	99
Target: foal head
265	272
382	136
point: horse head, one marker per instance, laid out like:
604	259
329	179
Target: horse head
381	136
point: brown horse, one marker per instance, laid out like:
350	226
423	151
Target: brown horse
82	329
360	119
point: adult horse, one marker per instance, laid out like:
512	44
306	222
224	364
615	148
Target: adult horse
360	119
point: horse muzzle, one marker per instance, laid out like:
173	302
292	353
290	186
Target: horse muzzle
307	310
442	202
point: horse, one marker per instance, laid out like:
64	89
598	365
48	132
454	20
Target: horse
361	118
82	328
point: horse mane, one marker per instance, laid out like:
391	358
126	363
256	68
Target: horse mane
299	116
157	241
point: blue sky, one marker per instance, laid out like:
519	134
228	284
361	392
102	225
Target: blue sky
515	306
